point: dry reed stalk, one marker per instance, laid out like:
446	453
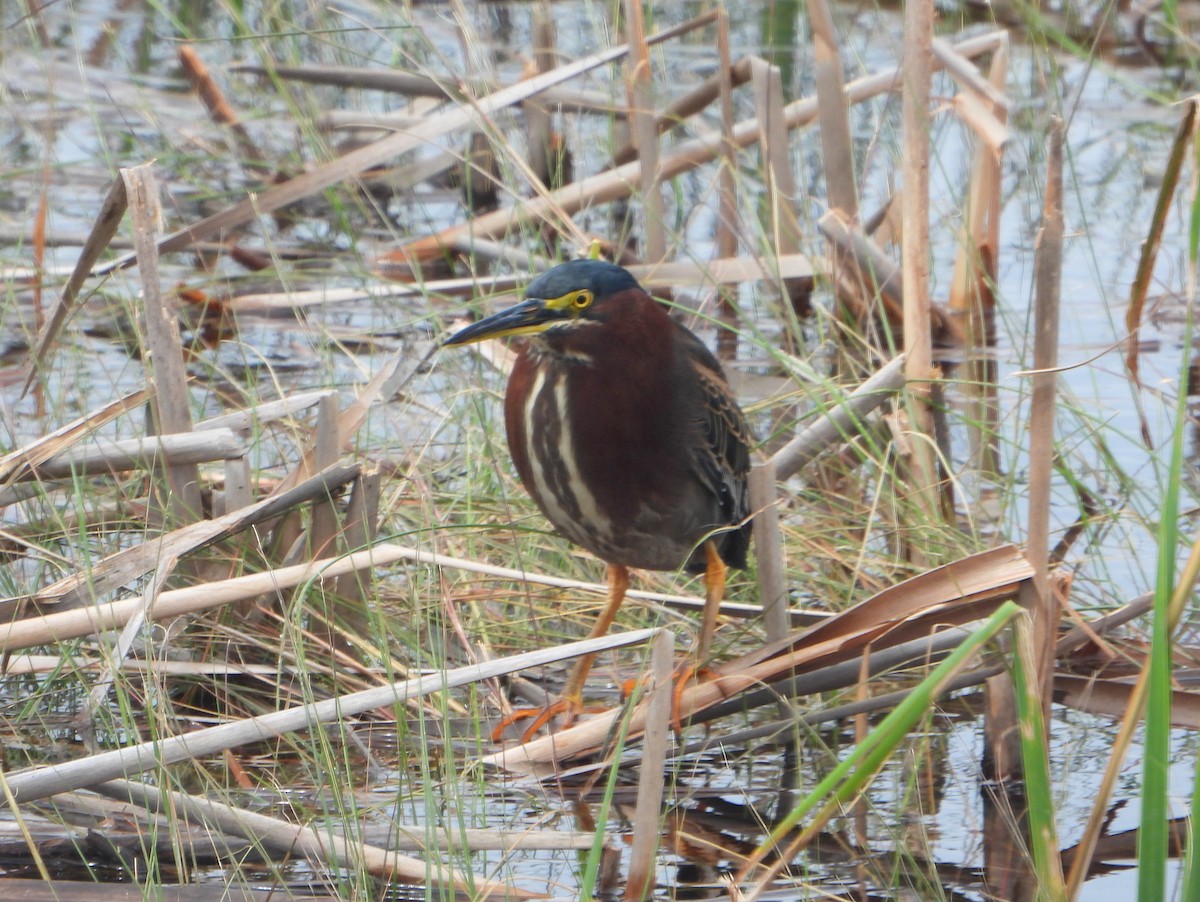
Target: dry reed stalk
108	219
984	578
727	201
710	272
639	86
101	513
398	81
865	268
391	377
919	369
676	114
86	718
904	655
538	126
51	779
663	275
266	412
54	889
618	183
516	257
24	276
841	422
873	271
221	111
172	400
480	178
1184	137
1112	698
20	665
335	433
319	846
20	462
1007	863
238	491
837	150
984	120
982	103
1001	757
1037	597
360	531
959	592
15	494
647	817
479	173
971	292
124	566
862	693
86	811
408	176
351	164
320	540
477	839
398	837
102	456
60	238
327	449
916	654
84	621
968	76
359	121
768	549
779	180
548	755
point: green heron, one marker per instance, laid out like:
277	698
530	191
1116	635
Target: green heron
623	429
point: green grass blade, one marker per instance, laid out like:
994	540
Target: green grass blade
1043	835
1191	879
853	774
591	869
1153	848
1152	835
1191	873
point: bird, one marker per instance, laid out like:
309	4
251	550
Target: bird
624	430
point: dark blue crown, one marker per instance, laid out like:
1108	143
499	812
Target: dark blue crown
599	277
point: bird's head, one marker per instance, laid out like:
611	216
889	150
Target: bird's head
566	297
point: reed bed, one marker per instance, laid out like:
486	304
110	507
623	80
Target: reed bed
271	581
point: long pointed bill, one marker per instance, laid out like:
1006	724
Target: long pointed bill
529	317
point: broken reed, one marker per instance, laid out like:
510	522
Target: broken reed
477	503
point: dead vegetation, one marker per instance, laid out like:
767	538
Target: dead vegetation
208	608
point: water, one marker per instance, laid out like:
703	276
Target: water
107	94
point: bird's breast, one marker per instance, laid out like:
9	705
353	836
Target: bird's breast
552	466
617	488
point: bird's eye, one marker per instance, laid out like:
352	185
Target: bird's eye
581	300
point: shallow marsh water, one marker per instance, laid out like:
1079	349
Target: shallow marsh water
107	94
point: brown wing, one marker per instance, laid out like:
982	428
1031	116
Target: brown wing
722	458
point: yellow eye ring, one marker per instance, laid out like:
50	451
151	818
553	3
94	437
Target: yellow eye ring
581	300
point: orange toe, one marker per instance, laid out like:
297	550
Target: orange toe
684	676
566	708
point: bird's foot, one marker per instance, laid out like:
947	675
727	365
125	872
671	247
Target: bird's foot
683	676
567	709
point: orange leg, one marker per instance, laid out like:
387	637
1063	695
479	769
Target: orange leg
618	585
571	702
714	593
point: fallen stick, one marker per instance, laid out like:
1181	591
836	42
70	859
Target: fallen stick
51	779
